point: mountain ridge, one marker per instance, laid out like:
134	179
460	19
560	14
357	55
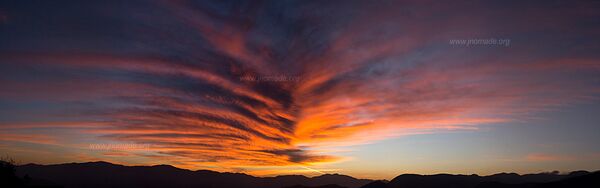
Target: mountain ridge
93	174
106	174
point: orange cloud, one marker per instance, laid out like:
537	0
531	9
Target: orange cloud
30	138
368	82
544	157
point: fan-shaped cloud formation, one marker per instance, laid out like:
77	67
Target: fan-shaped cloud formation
175	74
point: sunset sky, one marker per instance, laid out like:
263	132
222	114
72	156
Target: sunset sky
371	89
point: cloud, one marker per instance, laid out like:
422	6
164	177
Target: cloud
29	138
169	74
544	157
298	156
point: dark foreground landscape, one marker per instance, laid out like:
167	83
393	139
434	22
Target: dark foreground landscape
103	174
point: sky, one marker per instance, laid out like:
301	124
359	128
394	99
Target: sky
371	89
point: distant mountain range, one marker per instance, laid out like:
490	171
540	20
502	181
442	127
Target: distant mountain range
503	180
103	174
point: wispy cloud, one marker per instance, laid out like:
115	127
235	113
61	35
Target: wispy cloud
544	157
364	76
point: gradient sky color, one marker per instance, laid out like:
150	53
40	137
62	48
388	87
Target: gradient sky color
371	89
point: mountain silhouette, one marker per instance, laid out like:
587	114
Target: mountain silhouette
503	180
574	180
375	184
103	174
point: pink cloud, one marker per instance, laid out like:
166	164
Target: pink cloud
545	157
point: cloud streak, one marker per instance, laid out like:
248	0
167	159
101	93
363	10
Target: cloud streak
169	74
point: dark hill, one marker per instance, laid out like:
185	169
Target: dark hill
375	184
503	180
103	174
